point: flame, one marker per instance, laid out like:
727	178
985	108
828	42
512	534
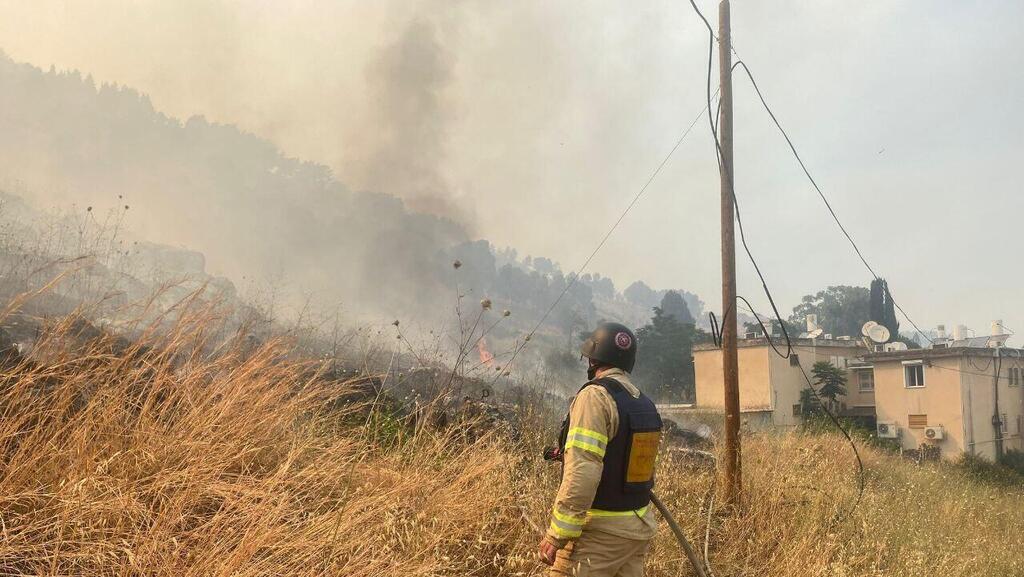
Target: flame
486	358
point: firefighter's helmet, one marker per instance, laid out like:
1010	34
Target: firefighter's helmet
611	344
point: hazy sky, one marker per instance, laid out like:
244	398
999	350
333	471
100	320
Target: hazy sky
534	123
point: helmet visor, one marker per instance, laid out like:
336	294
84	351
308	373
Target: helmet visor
588	348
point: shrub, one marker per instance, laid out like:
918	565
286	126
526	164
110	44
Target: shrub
1000	474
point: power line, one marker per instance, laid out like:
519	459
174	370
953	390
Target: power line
579	272
817	188
950	369
976	367
726	171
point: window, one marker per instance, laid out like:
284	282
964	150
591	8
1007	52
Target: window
1015	375
866	380
1004	424
837	361
794	360
913	375
917	421
797	410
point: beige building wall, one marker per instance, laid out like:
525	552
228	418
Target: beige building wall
788	381
857	398
939	400
979	406
755	379
957	395
769	383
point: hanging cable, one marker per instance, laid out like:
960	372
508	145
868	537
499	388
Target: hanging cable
575	277
727	174
824	199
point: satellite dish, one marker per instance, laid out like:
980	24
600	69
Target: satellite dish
815	333
897	346
879	334
867	327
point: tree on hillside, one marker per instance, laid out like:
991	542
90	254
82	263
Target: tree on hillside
673	305
644	296
664	357
602	286
545	265
571	321
882	309
641	295
478	271
841	310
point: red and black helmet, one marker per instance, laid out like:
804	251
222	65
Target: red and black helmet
611	344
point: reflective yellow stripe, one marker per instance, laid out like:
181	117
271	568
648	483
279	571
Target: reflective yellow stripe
599	513
588	433
587	440
566	526
565	531
568	518
579	444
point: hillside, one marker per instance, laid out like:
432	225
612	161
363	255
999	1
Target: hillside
158	458
257	217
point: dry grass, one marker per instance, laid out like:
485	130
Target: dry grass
180	456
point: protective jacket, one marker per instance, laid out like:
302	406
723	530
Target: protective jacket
610	440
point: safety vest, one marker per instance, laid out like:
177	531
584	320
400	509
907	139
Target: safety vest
628	473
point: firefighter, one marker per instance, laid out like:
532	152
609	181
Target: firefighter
602	521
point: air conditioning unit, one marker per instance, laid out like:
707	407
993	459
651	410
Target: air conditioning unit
888	431
936	433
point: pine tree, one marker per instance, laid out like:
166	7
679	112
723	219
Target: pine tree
883	309
664	365
673	304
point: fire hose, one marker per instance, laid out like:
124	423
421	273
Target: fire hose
698	565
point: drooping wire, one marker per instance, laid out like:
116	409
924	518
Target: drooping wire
716	328
849	438
726	171
764	329
575	277
824	199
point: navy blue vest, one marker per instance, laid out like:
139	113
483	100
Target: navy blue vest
627	477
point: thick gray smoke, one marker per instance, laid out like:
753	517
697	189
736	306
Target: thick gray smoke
254	213
532	123
333	238
408	127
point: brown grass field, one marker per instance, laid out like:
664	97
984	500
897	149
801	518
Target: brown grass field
175	455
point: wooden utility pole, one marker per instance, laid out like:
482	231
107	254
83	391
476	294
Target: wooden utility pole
730	362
